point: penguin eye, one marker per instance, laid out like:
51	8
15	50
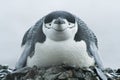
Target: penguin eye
69	23
49	24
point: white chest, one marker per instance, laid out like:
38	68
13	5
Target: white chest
55	53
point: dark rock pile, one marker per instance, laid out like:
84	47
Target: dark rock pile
56	73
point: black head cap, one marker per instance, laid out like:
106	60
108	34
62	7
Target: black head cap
61	14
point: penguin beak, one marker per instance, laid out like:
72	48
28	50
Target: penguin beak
59	24
59	21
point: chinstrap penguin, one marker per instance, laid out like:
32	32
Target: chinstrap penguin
59	37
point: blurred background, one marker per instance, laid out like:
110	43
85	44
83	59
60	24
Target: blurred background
101	16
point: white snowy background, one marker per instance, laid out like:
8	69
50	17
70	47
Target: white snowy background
102	16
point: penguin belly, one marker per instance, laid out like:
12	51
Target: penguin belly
66	52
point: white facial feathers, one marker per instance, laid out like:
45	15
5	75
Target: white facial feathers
59	26
60	32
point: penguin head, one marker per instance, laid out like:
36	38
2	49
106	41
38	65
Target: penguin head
59	26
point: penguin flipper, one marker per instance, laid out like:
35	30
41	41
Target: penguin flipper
23	58
27	42
94	53
84	33
33	35
98	63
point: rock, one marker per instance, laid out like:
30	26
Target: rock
118	71
4	70
55	73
